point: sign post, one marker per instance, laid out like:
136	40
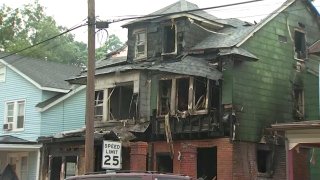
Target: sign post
111	155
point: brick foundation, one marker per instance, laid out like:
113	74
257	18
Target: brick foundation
138	156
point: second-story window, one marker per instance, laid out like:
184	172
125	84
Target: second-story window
169	39
140	43
14	115
300	45
98	105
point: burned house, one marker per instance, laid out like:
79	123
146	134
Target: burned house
198	91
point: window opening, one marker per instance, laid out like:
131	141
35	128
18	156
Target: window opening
55	168
164	96
207	167
298	103
182	94
169	45
123	103
15	112
264	160
164	163
98	105
300	45
71	166
140	45
200	93
282	39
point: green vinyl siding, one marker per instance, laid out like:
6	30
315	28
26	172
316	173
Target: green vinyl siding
263	89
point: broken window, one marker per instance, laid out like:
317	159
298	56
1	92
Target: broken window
182	94
300	45
298	103
169	39
123	102
140	44
98	105
264	160
200	93
164	96
70	166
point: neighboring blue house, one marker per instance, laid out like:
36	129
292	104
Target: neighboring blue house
35	100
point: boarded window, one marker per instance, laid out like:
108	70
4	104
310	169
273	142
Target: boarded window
300	45
123	102
164	96
98	105
169	39
182	94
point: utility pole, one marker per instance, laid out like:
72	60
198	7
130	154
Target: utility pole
89	140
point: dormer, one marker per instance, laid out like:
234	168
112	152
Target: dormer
170	31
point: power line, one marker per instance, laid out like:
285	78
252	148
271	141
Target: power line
41	42
187	11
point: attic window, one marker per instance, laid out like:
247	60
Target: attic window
140	44
300	45
282	39
169	39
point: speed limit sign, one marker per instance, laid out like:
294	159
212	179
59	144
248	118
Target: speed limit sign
111	155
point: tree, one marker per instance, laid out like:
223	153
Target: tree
113	43
20	28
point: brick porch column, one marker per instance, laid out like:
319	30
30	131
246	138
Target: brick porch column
138	156
188	162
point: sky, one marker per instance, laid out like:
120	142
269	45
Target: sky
69	13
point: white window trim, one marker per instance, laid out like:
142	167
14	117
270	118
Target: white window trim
3	79
176	40
19	155
15	115
134	33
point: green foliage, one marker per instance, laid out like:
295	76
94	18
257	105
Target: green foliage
113	43
21	28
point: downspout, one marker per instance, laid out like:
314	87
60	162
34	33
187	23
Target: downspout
38	164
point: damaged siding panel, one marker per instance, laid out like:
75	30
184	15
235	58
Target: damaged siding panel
111	80
144	97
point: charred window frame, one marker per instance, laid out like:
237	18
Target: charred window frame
183	89
298	103
264	160
122	102
165	87
182	94
300	48
169	44
98	105
140	47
